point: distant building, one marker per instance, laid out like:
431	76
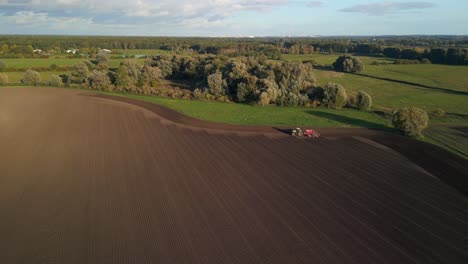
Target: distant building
105	51
37	51
72	51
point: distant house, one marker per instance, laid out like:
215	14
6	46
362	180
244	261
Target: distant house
37	51
72	51
105	51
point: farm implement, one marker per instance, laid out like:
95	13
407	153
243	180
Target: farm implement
298	132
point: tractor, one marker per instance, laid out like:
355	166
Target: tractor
298	132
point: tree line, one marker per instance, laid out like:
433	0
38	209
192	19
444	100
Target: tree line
273	48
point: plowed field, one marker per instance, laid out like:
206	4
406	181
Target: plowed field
85	179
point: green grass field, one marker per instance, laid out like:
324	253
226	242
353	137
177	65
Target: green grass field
390	95
445	83
15	77
328	59
233	113
438	76
27	63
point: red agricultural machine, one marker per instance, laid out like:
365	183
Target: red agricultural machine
298	132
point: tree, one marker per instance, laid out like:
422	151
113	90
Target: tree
363	101
102	60
79	73
129	76
437	55
409	54
411	121
392	52
3	78
151	75
334	96
56	81
215	83
31	77
349	64
98	80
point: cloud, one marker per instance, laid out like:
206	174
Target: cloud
32	18
158	13
388	7
315	4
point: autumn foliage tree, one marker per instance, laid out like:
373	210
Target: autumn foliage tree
31	77
348	64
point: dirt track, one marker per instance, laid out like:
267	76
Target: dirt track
91	180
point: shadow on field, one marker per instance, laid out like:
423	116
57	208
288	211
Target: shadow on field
349	120
426	87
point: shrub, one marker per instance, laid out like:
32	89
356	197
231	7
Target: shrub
264	99
426	61
411	121
438	113
363	101
2	66
56	81
334	96
3	78
198	94
348	64
31	77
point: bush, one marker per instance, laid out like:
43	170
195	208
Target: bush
348	64
438	113
426	61
411	121
3	66
3	78
198	94
56	81
31	77
363	101
334	96
264	99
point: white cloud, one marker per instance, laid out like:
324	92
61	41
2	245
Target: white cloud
383	8
37	20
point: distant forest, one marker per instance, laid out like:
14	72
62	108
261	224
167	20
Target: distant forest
452	50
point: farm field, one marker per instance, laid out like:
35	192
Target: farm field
147	52
134	187
448	89
15	77
27	63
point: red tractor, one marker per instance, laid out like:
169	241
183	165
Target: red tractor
298	132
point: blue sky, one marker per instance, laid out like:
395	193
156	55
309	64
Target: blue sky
233	17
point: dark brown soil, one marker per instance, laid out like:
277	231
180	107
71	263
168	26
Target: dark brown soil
89	180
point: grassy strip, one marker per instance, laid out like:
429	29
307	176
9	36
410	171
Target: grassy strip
241	114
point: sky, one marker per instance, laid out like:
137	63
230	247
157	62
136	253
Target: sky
234	18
